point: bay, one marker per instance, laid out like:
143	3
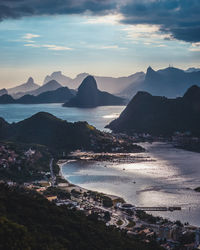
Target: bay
165	176
98	117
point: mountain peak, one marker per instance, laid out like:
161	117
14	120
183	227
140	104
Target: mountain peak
89	96
30	81
43	115
59	77
192	93
89	83
151	74
149	69
82	75
142	94
53	83
56	73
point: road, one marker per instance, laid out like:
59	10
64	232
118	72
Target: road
53	178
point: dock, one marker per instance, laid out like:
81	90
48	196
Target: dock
171	209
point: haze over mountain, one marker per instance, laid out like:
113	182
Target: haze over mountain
170	82
89	96
159	115
110	84
189	70
59	95
3	92
30	85
59	77
49	86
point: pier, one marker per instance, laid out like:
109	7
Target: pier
158	208
127	206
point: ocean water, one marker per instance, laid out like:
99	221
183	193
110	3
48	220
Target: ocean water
98	117
167	180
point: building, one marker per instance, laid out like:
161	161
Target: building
51	198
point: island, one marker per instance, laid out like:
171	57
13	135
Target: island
89	96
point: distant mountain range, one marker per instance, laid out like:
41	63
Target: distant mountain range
89	96
60	95
30	85
49	86
59	77
159	115
112	85
170	82
3	92
190	70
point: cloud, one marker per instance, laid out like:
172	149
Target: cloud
110	47
30	36
20	8
178	18
107	19
105	47
48	46
32	45
195	47
55	47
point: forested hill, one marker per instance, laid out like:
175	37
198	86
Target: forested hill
46	129
59	135
30	222
158	115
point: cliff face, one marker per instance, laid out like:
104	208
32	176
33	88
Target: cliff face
89	96
159	115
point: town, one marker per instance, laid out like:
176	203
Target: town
112	210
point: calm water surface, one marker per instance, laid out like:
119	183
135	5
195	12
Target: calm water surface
98	117
168	180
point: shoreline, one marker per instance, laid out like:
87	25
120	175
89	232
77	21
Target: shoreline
168	216
60	163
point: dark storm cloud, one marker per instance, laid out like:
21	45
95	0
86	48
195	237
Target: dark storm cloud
20	8
180	18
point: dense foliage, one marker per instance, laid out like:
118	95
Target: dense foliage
30	222
46	129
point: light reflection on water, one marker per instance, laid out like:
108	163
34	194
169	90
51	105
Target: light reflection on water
169	180
98	117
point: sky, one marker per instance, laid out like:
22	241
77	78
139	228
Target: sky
100	37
